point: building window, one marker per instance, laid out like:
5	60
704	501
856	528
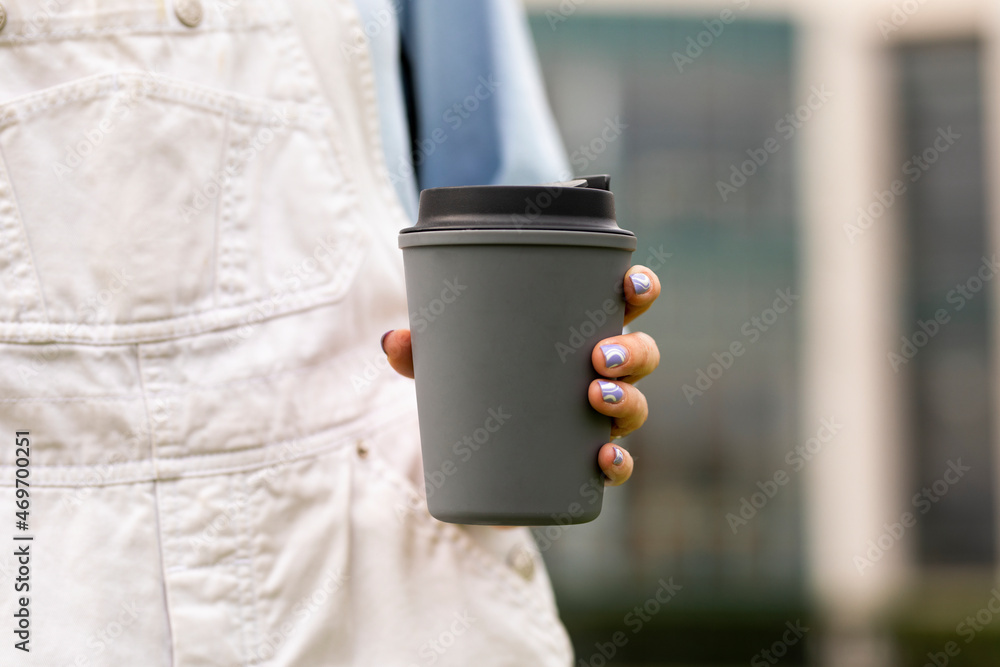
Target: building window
947	324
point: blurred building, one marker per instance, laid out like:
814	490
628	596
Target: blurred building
811	182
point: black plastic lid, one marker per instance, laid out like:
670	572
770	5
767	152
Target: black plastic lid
582	205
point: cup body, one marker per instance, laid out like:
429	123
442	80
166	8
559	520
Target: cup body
503	326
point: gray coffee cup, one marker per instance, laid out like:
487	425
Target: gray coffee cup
509	289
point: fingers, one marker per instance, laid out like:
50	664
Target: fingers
616	463
624	360
642	286
620	401
396	345
629	357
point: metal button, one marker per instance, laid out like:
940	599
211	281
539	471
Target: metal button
189	12
3	17
362	449
522	561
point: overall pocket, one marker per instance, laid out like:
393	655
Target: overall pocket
135	206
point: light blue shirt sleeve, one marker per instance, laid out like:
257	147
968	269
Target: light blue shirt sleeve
481	112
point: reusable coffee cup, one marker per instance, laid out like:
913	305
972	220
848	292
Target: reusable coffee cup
509	289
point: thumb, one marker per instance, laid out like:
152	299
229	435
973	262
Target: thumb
396	345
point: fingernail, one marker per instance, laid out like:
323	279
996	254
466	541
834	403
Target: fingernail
381	341
614	355
641	282
619	457
611	392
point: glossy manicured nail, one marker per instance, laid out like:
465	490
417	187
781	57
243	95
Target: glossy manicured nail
619	457
382	340
641	282
614	355
611	392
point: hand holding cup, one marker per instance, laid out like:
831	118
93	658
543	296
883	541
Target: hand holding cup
622	400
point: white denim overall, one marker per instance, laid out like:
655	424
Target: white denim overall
197	258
